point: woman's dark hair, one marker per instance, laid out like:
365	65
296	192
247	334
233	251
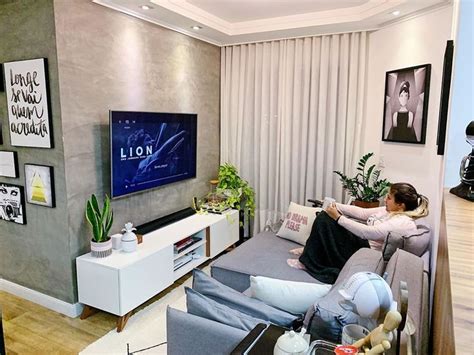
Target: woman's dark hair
404	87
416	205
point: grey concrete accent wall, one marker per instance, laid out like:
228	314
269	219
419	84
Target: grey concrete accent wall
108	60
35	255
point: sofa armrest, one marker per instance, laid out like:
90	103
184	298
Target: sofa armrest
189	334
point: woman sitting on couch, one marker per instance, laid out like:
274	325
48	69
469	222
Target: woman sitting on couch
335	237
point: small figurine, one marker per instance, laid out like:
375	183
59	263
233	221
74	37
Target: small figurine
129	239
380	339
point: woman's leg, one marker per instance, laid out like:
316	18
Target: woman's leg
297	251
328	248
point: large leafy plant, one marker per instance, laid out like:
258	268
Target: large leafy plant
366	185
99	219
239	193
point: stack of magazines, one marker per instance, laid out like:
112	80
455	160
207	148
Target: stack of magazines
185	243
182	261
214	208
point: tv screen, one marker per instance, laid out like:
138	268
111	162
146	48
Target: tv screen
150	149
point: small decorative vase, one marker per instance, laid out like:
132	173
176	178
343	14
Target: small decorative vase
129	239
101	250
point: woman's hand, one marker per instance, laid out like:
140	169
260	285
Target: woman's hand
333	212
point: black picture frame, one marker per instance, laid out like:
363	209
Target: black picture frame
13	169
406	104
39	184
444	100
12	203
2	84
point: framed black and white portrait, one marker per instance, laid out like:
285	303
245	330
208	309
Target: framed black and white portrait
39	182
27	91
12	203
406	104
8	164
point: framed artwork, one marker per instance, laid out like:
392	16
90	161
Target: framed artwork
406	104
27	92
8	164
12	203
39	182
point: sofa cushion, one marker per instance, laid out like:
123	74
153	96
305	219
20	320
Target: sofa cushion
326	318
185	331
202	306
291	296
416	243
404	266
209	287
262	255
298	223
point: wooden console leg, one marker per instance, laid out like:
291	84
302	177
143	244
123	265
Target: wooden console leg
88	311
122	321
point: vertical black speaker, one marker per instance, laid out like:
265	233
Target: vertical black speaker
444	102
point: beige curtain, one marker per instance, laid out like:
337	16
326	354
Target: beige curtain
291	113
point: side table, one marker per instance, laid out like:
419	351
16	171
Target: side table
260	341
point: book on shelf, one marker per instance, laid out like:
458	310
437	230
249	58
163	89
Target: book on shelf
178	248
180	262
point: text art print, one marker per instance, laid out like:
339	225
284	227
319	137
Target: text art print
27	103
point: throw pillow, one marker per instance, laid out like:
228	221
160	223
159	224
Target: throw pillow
416	242
209	287
291	296
202	306
298	223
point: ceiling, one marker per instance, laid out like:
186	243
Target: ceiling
225	22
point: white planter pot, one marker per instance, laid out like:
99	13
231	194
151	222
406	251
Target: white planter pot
101	250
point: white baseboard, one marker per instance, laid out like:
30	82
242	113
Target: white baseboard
68	309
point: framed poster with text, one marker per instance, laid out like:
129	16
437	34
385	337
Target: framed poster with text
26	88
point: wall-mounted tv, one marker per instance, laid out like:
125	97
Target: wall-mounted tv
150	149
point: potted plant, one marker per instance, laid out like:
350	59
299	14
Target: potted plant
240	194
101	222
366	186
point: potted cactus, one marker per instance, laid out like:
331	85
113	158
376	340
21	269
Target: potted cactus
101	222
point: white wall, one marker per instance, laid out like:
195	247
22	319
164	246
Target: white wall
416	41
462	110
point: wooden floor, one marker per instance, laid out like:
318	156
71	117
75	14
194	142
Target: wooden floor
460	232
32	329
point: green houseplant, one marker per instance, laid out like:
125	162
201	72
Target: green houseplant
101	221
240	194
366	186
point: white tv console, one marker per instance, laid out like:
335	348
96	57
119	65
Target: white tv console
122	281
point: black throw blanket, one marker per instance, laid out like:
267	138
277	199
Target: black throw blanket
328	248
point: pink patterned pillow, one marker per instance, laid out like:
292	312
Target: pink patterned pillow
298	223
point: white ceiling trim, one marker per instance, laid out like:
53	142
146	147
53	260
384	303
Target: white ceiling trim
320	18
372	15
161	23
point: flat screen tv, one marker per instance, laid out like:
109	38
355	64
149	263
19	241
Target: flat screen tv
149	149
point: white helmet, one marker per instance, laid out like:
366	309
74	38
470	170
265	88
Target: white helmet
366	294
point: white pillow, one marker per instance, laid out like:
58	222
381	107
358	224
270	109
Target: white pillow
298	223
291	296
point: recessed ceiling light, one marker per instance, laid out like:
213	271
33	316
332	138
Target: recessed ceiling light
195	27
396	13
146	7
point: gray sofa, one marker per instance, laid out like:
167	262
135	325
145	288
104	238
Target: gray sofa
265	255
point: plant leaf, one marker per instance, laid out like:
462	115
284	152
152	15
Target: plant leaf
91	217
